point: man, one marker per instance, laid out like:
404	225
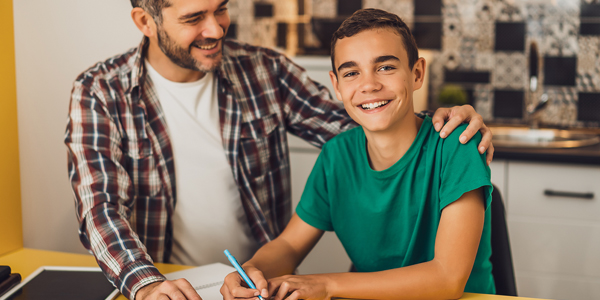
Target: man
212	114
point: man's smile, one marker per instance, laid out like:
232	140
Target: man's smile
207	46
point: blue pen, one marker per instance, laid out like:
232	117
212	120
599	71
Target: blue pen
237	266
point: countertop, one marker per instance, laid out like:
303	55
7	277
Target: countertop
589	155
26	261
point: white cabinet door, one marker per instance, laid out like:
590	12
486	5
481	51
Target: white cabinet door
498	169
554	229
329	255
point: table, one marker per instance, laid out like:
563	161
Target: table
25	261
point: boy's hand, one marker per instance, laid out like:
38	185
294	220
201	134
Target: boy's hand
456	115
235	287
294	287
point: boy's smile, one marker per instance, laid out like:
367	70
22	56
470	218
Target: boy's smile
374	79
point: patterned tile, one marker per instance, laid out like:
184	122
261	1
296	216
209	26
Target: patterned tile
451	59
324	8
483	101
264	32
452	27
485	35
588	66
403	8
244	16
562	107
509	70
484	61
468	53
509	10
560	35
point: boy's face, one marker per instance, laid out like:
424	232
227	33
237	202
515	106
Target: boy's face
374	80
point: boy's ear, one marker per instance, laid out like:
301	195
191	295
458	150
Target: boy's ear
143	21
419	73
334	82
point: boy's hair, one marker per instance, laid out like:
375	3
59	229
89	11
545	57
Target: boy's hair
372	18
152	7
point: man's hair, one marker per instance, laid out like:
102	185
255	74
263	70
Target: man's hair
372	18
152	7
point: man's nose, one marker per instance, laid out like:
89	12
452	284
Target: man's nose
212	28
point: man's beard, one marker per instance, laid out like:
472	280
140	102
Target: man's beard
183	58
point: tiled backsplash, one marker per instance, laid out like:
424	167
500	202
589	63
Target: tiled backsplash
481	45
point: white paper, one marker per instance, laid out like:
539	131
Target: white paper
207	279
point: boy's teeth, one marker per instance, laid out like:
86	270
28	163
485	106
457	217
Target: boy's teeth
374	105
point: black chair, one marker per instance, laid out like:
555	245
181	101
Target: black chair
502	265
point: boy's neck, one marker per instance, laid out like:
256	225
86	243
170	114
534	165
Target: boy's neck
385	148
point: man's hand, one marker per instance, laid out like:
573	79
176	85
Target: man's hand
455	116
179	289
232	287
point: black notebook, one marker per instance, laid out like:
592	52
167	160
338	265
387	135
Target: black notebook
63	283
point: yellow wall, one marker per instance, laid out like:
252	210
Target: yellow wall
11	228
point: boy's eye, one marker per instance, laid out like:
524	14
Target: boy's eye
350	74
386	68
221	10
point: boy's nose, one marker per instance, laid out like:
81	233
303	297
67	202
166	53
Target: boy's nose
370	83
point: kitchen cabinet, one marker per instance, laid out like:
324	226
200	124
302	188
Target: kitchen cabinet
329	255
555	240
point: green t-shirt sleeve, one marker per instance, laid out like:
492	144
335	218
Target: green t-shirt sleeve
463	169
314	206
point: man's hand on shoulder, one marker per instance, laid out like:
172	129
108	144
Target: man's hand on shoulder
454	116
179	289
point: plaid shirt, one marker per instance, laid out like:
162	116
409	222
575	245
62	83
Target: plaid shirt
121	162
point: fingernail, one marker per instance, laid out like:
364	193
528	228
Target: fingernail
256	293
437	126
265	293
489	162
443	134
481	149
463	139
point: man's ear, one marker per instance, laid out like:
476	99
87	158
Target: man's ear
419	73
143	21
334	82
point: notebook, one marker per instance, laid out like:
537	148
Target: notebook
206	280
63	283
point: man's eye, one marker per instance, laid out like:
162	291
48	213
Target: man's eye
193	21
222	10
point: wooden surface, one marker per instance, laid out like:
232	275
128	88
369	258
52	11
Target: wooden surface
25	261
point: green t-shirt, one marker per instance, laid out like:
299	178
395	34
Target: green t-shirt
389	219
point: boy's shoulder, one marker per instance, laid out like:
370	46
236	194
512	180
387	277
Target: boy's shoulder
344	139
453	139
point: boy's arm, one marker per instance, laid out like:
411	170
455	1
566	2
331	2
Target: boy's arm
278	257
444	277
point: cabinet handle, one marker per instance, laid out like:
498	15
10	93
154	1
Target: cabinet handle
569	194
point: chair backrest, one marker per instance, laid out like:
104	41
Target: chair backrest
502	265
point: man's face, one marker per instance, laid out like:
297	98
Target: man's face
192	31
374	80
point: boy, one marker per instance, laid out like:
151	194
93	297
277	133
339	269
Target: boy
409	207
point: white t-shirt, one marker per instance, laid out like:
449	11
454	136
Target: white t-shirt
208	216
